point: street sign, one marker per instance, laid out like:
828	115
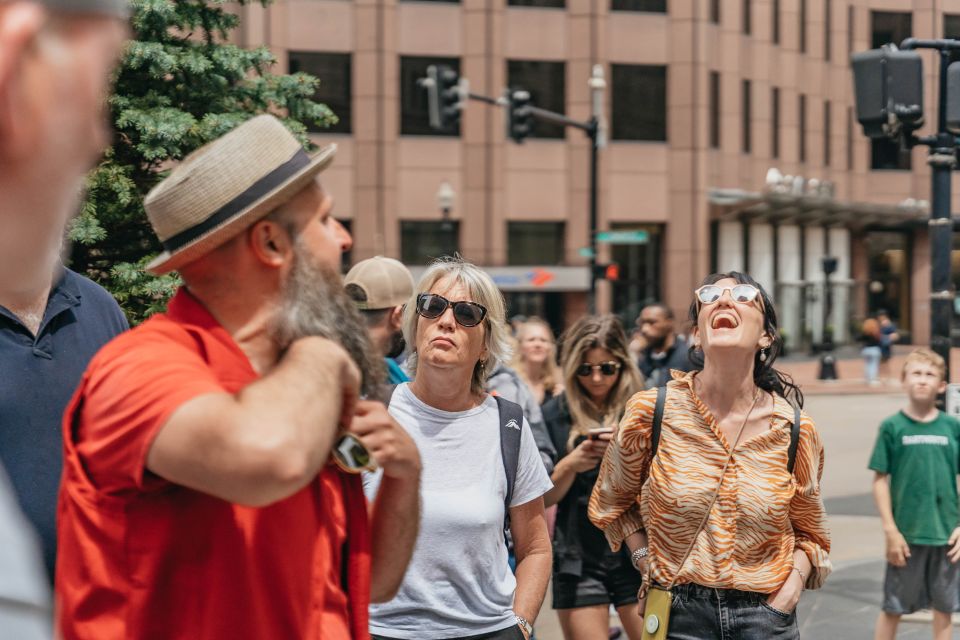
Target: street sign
953	400
623	237
587	252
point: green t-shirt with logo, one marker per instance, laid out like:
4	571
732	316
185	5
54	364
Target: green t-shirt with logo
923	459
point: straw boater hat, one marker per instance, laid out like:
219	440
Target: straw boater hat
225	186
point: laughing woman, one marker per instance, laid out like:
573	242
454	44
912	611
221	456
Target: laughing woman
722	506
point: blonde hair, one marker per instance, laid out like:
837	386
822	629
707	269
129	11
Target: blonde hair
597	332
482	290
551	372
925	356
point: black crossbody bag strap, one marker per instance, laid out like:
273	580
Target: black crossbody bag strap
794	439
657	420
511	424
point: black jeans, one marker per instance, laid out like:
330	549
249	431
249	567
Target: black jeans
702	613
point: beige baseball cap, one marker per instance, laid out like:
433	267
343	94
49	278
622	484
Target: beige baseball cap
379	283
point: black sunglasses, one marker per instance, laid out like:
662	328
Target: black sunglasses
467	314
606	368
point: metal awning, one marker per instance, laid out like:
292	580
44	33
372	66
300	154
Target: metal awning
730	205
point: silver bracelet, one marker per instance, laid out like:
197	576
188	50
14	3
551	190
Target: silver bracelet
637	556
802	576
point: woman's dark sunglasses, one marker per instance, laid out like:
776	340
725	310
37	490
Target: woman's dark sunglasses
606	368
467	314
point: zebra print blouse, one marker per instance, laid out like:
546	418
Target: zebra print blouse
763	513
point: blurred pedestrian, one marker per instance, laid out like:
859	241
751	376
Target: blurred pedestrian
871	337
889	336
459	583
664	350
55	64
380	287
717	494
588	577
211	485
536	359
915	459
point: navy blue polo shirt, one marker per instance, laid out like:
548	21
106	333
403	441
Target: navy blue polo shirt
38	375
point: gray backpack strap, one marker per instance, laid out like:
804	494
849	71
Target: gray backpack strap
657	420
511	427
794	439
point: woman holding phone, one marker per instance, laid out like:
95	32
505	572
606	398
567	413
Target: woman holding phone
588	577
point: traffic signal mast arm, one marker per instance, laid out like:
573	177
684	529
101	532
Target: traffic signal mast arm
537	112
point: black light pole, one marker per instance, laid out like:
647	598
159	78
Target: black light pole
592	133
942	159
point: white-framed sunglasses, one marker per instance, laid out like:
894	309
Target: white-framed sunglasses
739	293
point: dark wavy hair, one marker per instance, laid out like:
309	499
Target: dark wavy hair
764	375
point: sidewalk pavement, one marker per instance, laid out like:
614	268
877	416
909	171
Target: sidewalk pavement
804	369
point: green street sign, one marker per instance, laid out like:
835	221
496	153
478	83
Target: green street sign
585	252
623	237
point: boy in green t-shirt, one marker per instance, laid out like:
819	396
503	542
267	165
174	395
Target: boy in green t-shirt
916	460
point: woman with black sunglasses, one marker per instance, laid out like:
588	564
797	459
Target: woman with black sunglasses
459	583
721	506
599	376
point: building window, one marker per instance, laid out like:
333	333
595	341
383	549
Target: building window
535	243
775	122
850	29
826	133
647	6
547	86
424	240
640	271
889	26
746	142
849	138
775	20
803	26
346	258
802	128
827	25
333	71
715	11
887	155
546	4
714	110
747	16
639	96
414	110
951	30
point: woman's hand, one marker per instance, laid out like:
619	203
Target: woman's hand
786	598
588	454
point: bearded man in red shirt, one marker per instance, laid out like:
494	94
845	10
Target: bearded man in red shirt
210	486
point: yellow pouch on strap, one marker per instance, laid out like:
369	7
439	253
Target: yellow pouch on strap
656	616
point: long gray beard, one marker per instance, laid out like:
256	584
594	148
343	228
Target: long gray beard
314	304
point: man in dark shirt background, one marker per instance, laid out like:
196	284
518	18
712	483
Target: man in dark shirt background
664	349
56	57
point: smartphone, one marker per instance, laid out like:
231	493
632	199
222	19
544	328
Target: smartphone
595	434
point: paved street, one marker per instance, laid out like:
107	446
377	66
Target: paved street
847	607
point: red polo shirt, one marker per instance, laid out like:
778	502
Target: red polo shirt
141	557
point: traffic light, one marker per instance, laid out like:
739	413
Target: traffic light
444	96
607	272
519	115
888	87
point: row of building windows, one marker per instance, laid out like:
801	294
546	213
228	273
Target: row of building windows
645	6
638	93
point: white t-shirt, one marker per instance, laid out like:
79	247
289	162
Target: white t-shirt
459	582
